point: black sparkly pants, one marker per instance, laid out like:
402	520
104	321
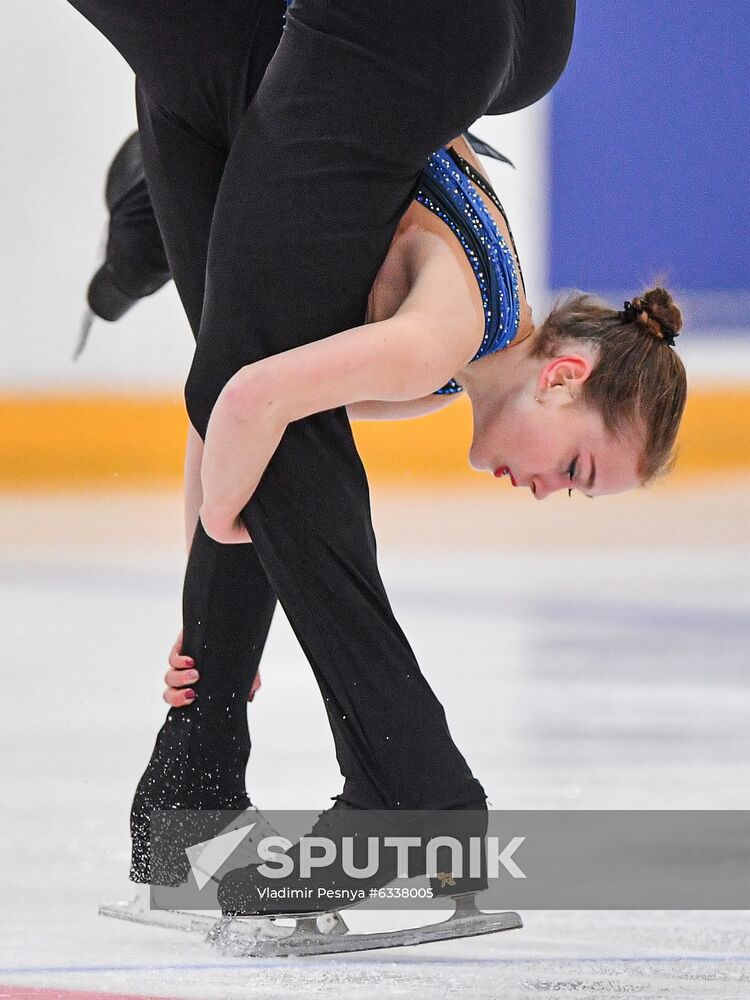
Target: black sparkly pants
279	164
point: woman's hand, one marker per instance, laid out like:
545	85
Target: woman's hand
182	674
244	430
223	527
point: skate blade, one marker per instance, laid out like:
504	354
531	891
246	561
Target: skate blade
231	938
134	911
87	321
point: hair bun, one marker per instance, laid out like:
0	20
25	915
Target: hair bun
657	313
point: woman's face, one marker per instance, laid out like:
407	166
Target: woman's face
544	439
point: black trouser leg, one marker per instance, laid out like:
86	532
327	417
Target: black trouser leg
201	753
319	174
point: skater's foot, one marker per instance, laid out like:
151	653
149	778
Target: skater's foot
133	263
363	850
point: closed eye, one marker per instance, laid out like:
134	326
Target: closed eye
572	472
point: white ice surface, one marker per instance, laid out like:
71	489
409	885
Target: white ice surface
588	655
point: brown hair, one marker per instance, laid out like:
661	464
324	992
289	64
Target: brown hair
638	377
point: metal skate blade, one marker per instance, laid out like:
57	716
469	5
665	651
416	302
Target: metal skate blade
83	335
230	938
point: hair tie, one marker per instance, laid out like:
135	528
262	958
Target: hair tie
630	314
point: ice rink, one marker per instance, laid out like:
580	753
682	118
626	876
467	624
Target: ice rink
589	655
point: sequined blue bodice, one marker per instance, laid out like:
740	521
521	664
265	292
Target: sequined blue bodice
446	188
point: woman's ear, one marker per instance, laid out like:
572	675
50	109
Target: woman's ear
567	372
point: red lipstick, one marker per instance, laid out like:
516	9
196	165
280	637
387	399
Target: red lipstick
503	470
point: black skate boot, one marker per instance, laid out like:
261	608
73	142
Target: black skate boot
139	906
296	920
135	263
365	858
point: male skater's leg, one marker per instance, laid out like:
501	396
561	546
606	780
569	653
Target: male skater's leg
200	757
355	98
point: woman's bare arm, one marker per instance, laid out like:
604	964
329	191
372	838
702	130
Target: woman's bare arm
368	409
401	359
378	409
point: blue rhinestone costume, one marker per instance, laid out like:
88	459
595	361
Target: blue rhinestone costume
447	188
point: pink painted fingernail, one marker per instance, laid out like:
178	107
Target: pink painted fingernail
190	695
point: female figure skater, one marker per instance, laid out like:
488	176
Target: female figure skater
280	172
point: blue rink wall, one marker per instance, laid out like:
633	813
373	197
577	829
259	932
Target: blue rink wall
650	139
